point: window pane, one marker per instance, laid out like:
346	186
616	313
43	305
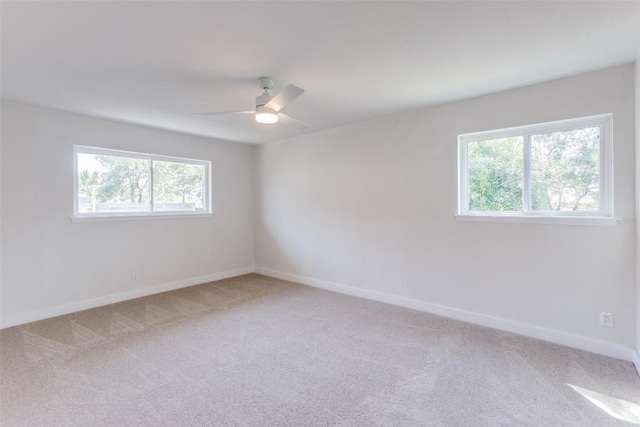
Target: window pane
495	174
178	187
112	184
565	170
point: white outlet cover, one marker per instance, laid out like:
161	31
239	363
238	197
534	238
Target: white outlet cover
606	319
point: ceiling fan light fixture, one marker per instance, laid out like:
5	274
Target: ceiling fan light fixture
266	115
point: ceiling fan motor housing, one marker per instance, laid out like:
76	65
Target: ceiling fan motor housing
264	114
263	99
266	83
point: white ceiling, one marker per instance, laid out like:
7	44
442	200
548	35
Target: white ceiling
155	63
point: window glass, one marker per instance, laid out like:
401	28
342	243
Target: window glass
178	186
112	184
495	174
565	170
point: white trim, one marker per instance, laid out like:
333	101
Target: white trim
558	337
540	219
133	217
463	175
607	192
59	310
75	179
527	181
151	201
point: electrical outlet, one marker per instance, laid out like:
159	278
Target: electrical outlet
134	276
606	319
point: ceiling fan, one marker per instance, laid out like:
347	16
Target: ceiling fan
268	106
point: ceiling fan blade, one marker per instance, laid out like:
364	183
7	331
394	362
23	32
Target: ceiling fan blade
287	95
288	120
220	113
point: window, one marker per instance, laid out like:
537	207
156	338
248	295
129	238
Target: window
554	172
112	183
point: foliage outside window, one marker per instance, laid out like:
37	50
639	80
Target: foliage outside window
559	169
120	183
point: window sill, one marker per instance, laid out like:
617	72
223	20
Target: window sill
102	218
532	219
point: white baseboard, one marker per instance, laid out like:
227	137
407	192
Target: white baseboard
59	310
558	337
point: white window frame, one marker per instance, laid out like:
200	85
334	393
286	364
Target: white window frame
604	216
81	217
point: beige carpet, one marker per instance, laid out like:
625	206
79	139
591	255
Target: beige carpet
256	351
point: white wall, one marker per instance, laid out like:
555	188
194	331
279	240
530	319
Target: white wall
637	85
51	266
369	209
